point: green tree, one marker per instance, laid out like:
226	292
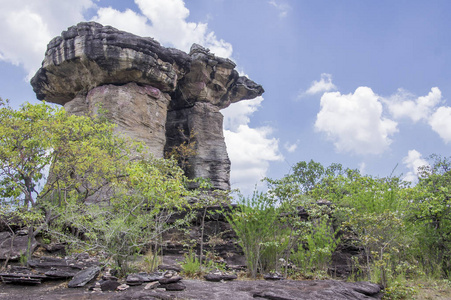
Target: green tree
82	161
25	151
380	235
138	214
430	212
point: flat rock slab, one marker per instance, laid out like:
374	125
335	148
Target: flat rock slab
283	290
199	290
21	278
83	277
219	277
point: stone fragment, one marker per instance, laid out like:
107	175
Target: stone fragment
216	277
170	267
123	287
175	286
83	277
57	274
109	285
152	285
61	268
151	277
109	277
167	280
21	278
134	279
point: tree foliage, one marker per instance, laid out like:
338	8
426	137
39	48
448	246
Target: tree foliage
102	191
402	230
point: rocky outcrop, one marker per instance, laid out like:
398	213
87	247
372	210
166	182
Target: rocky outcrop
155	94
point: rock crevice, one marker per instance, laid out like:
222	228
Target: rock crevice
153	93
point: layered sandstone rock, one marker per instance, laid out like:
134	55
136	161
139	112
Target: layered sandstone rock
155	94
140	112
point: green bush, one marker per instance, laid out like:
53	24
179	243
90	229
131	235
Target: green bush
191	265
399	290
254	223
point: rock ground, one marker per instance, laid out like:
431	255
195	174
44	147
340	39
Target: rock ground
196	289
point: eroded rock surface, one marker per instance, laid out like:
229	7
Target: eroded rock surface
13	246
139	111
155	94
199	290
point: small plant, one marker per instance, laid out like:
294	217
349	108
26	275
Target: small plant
23	259
191	265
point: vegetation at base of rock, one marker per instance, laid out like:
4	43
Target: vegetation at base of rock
105	194
102	192
402	230
272	233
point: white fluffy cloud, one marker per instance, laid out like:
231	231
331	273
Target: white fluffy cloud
354	122
323	85
27	27
165	20
440	122
404	104
413	161
250	149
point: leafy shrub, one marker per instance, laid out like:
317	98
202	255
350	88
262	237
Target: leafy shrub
254	223
191	264
399	290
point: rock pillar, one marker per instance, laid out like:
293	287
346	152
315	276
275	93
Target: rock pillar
154	94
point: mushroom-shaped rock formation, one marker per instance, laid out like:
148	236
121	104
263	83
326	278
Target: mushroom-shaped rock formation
155	94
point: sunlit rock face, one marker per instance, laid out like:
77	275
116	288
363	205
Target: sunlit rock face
154	94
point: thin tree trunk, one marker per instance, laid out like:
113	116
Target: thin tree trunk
202	236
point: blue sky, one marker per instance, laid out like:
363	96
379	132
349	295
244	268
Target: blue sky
362	83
